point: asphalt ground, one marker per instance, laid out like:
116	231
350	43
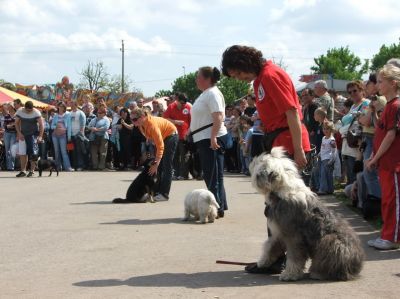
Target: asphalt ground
61	237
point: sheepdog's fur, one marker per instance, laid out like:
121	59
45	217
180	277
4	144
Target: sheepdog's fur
301	225
202	205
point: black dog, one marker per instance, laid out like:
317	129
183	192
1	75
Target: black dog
143	184
47	164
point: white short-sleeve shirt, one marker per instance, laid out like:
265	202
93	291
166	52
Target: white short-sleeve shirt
211	100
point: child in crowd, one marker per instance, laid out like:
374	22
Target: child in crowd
328	155
320	116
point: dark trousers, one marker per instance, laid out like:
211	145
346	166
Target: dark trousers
165	168
125	154
78	154
212	163
181	159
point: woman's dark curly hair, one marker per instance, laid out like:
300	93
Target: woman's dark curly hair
242	58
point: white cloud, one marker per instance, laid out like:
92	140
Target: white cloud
239	2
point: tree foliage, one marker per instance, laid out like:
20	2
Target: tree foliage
231	89
163	93
187	84
385	53
114	84
94	76
341	63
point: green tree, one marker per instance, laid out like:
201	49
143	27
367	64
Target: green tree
187	84
163	93
385	53
114	84
231	89
341	63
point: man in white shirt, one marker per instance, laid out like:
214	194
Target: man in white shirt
78	123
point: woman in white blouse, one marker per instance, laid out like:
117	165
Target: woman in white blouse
211	142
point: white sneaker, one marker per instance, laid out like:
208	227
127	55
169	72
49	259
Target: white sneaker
160	197
383	244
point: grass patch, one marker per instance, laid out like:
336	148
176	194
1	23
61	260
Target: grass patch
340	196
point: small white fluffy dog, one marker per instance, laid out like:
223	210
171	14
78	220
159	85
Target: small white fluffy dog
202	205
301	225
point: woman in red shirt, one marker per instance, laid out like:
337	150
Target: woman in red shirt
386	157
276	100
278	108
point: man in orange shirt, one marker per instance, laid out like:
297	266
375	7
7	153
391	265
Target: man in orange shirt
165	137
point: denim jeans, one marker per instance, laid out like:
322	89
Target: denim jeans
165	168
315	174
212	162
60	151
326	177
9	140
371	177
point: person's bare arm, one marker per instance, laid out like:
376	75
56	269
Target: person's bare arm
294	125
217	122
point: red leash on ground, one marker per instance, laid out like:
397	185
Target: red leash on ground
232	263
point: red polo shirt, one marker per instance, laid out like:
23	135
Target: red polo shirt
390	120
173	112
275	94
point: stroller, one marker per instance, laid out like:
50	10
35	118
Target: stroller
312	161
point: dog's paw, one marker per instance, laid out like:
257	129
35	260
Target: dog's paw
287	276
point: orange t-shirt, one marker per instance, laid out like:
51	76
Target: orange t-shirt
157	129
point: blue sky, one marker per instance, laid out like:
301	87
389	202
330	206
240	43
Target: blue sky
41	41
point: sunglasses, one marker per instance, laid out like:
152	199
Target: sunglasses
353	91
135	119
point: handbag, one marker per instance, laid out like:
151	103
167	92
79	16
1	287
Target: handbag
353	135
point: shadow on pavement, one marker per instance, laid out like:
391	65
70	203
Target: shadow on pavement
151	221
103	202
196	280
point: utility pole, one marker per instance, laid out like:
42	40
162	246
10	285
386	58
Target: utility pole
122	77
184	70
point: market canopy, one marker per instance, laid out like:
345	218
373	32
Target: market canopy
7	95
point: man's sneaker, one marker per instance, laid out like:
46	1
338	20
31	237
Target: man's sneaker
21	174
383	244
160	197
30	174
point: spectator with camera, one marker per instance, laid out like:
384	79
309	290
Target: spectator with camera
351	130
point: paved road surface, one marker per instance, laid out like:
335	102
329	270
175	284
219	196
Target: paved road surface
61	238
